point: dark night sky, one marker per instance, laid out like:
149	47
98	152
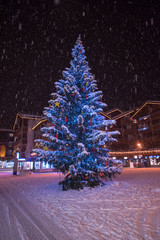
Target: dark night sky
121	39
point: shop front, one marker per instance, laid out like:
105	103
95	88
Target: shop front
132	159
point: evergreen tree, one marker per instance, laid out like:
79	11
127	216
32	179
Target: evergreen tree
77	132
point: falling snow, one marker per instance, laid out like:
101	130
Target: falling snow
121	42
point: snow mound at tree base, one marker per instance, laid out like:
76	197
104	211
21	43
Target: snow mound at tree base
80	178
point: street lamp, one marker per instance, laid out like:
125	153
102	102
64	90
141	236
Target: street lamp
139	146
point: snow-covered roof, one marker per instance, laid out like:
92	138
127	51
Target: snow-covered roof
123	114
114	110
40	121
26	116
146	103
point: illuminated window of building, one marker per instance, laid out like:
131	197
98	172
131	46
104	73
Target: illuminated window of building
143	118
2	151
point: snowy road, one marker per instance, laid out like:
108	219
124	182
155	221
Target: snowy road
20	219
34	207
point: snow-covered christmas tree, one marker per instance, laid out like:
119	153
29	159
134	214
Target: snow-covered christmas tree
78	132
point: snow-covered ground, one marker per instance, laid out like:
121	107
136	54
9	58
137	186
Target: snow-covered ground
126	209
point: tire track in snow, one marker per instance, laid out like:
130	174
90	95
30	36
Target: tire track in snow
23	221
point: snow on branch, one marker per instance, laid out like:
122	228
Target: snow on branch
109	137
80	120
107	123
98	110
89	111
81	155
49	116
45	155
55	95
93	95
59	85
62	81
83	152
59	99
49	129
115	132
49	136
93	100
100	104
67	132
96	136
76	92
81	146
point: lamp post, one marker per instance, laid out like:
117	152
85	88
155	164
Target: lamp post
139	146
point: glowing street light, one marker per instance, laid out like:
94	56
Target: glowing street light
139	145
